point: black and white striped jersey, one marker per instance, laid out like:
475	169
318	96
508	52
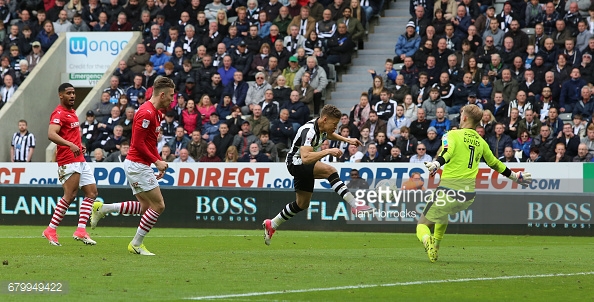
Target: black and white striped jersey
307	135
22	144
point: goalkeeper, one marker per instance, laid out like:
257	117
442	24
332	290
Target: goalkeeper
461	152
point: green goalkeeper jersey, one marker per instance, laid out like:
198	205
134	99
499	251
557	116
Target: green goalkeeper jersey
462	150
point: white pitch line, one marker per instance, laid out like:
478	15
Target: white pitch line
157	236
385	285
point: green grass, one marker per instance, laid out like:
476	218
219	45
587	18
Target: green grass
198	262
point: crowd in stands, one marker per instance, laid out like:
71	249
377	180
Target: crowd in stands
536	90
248	74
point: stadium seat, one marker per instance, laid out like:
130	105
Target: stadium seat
331	77
565	117
529	31
398	66
454	116
498	8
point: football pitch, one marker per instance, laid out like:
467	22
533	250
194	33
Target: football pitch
235	265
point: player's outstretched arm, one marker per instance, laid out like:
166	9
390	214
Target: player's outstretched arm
336	137
52	135
309	157
522	178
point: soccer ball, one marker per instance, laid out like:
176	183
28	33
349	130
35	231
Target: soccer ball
387	188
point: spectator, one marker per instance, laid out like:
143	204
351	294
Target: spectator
569	140
528	124
374	124
407	43
119	155
211	129
589	138
354	26
372	155
231	155
544	142
205	108
420	126
284	18
121	24
357	183
509	156
396	122
102	24
196	146
290	72
180	141
234	121
35	56
114	141
242	58
184	157
282	93
114	90
159	58
421	156
47	36
506	85
395	155
383	146
270	108
560	155
298	112
229	76
352	156
554	122
522	144
254	155
440	123
432	143
132	10
388	77
415	182
22	145
267	147
431	104
318	80
211	154
499	140
255	93
282	132
244	138
8	89
212	88
78	25
62	25
583	156
222	140
407	144
98	156
127	122
238	88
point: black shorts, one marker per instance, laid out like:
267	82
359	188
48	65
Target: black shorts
303	176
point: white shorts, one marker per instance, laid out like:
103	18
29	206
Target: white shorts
140	176
82	168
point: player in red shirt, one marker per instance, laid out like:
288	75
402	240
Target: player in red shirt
73	170
143	152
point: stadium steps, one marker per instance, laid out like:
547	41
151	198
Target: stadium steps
380	46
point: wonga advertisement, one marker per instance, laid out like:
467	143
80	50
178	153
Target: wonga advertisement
89	55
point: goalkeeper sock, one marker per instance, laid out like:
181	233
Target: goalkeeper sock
439	232
290	210
422	231
341	189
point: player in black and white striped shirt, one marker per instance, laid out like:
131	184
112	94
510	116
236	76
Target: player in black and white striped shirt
303	162
23	144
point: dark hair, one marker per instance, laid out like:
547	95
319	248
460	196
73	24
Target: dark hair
263	132
125	143
63	87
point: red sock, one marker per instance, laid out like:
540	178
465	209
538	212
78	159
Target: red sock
130	207
148	220
59	212
85	211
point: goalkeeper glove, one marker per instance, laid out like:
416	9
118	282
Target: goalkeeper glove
522	178
432	167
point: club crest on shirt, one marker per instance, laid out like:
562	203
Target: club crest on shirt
56	121
145	123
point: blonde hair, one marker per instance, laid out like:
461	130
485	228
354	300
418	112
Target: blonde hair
201	104
235	154
492	119
225	21
474	114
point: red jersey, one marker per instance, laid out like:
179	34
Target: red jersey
145	130
70	131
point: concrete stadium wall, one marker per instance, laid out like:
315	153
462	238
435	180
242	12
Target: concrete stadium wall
95	93
34	101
